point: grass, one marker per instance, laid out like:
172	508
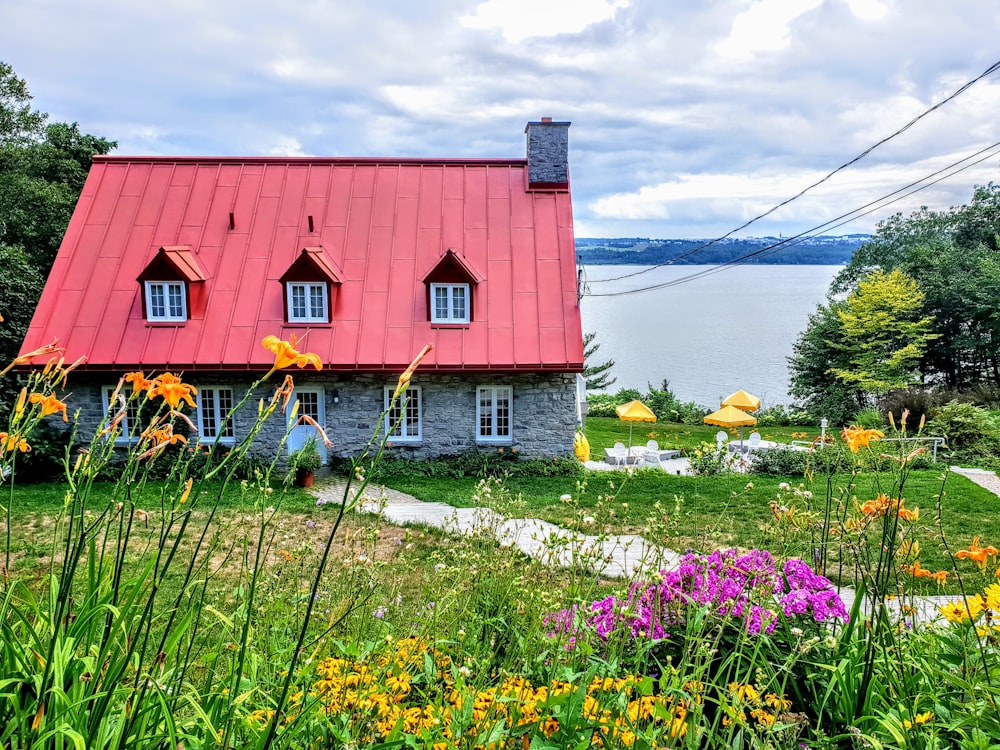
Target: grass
604	432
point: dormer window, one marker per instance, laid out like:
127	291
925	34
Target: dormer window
451	286
309	285
171	286
166	301
450	303
308	302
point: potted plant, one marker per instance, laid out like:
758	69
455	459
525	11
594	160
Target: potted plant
304	463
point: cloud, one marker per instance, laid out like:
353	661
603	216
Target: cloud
687	117
518	20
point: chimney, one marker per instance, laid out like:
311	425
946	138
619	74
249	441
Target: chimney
548	145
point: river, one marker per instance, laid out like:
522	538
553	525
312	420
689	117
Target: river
707	336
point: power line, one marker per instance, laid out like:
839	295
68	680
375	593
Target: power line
960	90
870	207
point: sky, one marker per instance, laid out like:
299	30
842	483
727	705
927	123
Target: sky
689	117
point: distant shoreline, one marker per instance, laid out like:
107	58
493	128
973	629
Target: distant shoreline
823	250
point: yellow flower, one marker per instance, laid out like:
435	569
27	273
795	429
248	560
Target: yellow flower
50	404
858	437
173	390
962	611
918	720
992	596
286	355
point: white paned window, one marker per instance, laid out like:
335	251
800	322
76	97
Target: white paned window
493	413
402	421
449	303
129	424
307	302
214	405
166	301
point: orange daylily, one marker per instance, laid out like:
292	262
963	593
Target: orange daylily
173	390
858	437
50	404
916	571
404	379
138	381
286	355
941	577
883	504
11	443
26	358
977	554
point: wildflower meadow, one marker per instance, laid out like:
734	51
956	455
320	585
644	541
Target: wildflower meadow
178	594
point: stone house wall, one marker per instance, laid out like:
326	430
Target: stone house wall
543	412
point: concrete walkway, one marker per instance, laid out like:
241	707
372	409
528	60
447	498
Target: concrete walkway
626	556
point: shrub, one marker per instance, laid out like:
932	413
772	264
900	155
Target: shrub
869	419
970	430
601	405
780	462
706	461
780	415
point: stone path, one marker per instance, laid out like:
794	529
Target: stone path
626	556
982	477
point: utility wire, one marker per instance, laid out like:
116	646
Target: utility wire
960	90
845	218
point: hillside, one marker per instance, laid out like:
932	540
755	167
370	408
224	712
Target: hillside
820	250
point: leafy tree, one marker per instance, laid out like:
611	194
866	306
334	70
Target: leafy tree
821	348
597	375
954	256
885	333
42	170
18	121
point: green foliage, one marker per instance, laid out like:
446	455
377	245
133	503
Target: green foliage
885	333
18	121
479	464
780	415
970	430
780	463
43	167
953	257
707	461
869	419
597	374
306	458
821	347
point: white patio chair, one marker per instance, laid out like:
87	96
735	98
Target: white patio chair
619	454
753	442
652	454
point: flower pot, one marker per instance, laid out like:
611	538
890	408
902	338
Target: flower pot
304	478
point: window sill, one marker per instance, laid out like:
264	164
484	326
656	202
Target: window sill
165	323
495	441
300	324
450	325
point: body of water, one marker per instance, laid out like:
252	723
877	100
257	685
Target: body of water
708	337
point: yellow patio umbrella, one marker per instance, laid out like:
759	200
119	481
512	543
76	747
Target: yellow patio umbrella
742	401
634	411
730	416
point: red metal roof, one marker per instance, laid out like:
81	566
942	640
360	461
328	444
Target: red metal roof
377	225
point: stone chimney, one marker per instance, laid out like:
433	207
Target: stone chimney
548	146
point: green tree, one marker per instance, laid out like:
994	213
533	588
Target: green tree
821	348
597	375
954	256
885	332
42	170
18	121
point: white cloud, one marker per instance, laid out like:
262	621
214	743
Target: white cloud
518	20
868	10
764	27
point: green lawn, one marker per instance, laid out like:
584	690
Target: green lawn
704	513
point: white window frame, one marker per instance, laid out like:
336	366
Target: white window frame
217	414
494	435
168	315
404	431
450	316
132	405
307	288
